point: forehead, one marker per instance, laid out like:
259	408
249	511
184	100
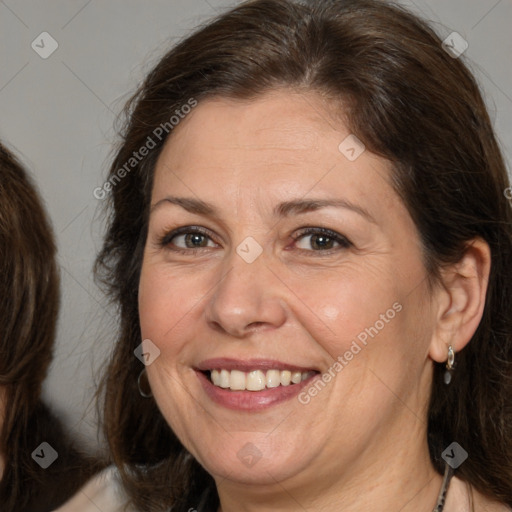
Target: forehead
283	140
282	118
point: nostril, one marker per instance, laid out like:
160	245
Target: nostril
255	324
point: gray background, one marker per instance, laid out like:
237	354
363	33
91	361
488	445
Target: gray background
57	114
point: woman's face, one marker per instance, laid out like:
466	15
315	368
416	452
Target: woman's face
253	294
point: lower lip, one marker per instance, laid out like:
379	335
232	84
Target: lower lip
252	400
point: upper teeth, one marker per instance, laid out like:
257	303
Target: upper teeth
256	380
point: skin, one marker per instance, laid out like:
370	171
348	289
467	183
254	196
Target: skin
360	444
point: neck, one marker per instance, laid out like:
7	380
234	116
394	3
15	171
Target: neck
401	477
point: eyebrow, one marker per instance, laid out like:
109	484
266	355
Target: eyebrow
284	209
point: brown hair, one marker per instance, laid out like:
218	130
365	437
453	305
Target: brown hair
409	101
29	302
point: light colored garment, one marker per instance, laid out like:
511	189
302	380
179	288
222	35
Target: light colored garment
102	493
458	500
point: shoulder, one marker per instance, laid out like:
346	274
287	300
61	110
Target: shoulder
102	492
461	497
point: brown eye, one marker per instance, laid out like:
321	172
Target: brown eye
187	239
321	239
192	240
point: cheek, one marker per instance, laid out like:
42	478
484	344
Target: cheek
167	303
372	320
375	340
344	307
166	299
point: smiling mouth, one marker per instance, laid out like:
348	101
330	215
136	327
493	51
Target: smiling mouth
256	380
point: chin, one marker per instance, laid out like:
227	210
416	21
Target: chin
252	458
263	472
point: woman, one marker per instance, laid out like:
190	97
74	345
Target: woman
310	247
39	466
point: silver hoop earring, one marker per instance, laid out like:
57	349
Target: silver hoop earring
450	365
143	380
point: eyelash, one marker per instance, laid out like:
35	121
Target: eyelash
332	235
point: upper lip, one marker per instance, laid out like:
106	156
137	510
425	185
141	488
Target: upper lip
227	363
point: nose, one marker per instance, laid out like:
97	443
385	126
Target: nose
248	298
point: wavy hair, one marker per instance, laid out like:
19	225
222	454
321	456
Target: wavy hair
410	102
29	304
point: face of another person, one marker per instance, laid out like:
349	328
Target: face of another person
263	294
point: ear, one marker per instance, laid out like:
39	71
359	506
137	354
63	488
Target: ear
460	300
